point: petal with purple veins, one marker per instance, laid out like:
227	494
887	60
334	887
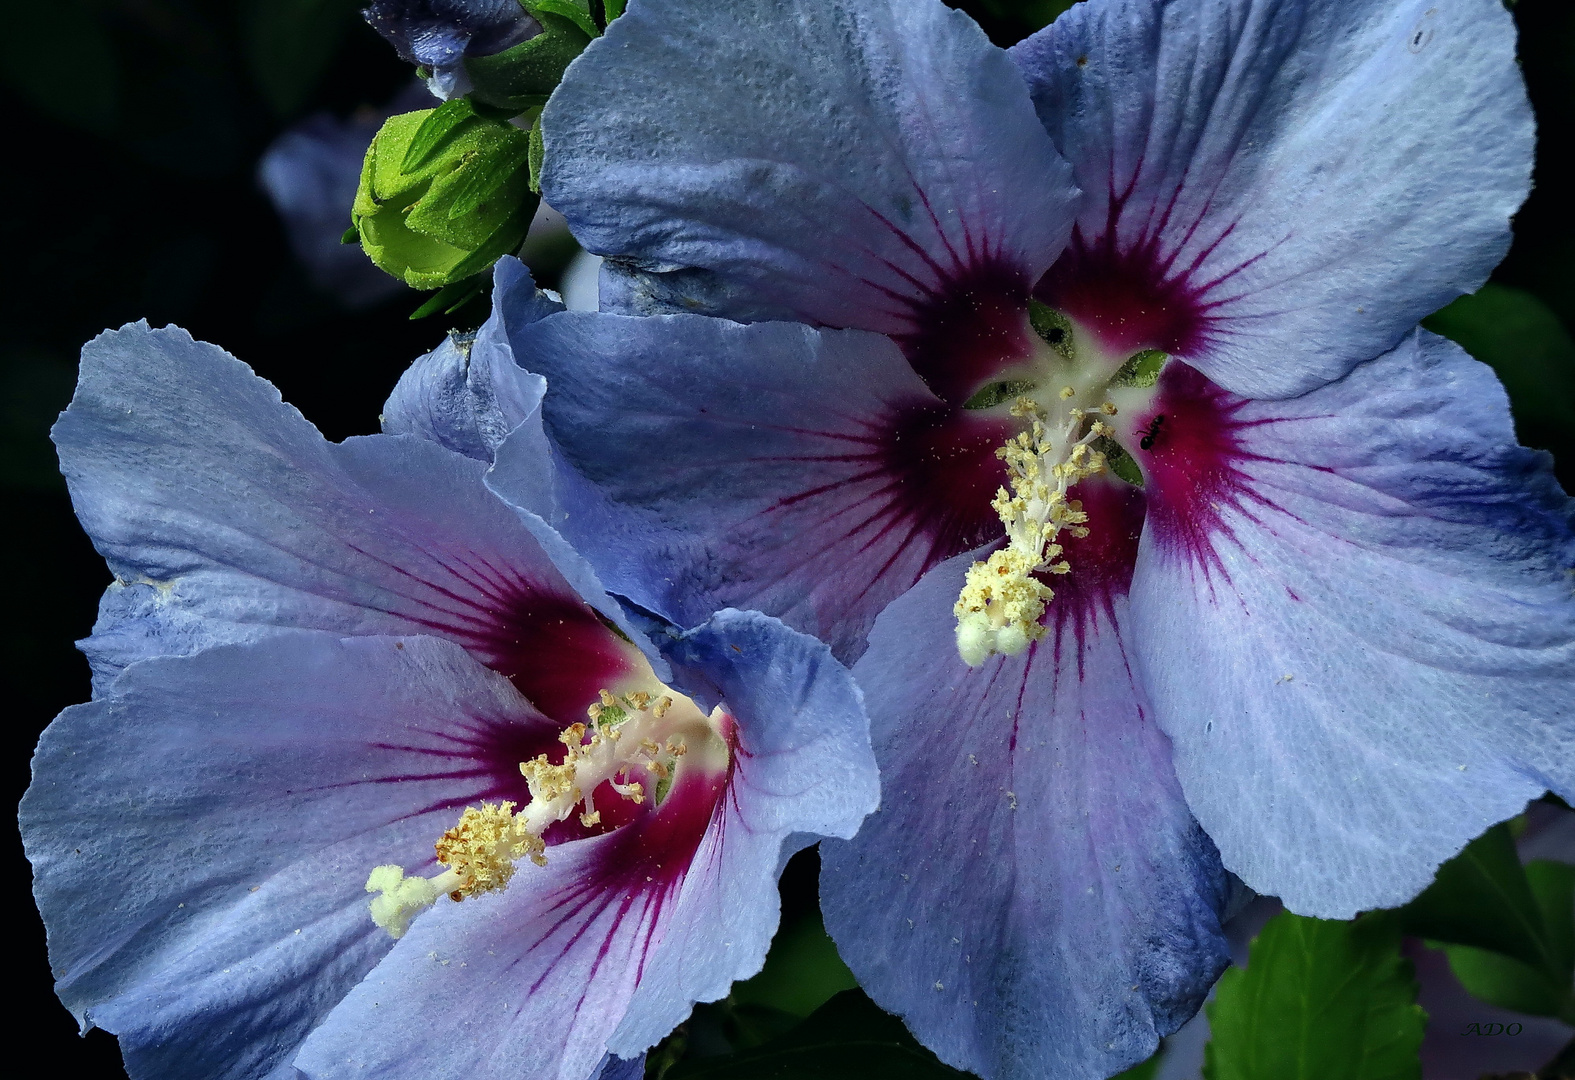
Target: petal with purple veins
226	516
201	840
1277	190
808	474
841	163
1353	612
1033	897
611	944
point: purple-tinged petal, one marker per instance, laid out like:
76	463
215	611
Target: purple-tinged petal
845	163
808	474
439	33
611	944
201	839
468	394
1353	613
310	174
1277	190
1033	897
226	516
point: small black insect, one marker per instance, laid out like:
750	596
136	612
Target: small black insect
1147	441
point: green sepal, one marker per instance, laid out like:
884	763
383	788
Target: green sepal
1053	328
538	154
486	174
352	235
519	79
574	11
998	393
450	298
1482	898
1318	999
434	131
1141	370
613	9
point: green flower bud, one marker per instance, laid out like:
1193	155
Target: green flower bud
444	193
522	77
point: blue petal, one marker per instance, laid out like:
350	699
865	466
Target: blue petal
755	466
588	956
839	162
225	515
1287	185
310	174
1032	897
439	33
468	394
1363	643
201	840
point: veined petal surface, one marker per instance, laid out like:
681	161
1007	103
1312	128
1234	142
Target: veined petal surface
1033	897
610	946
468	394
1278	190
806	473
836	161
201	839
1353	612
225	516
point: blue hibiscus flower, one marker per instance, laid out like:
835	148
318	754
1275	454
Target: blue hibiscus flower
1268	586
331	669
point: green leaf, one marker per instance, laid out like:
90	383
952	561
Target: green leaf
1524	342
802	971
613	8
1482	898
289	45
1144	1070
1318	999
1499	980
847	1038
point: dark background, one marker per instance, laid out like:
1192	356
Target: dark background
132	137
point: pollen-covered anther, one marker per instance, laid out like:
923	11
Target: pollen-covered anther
1002	605
480	852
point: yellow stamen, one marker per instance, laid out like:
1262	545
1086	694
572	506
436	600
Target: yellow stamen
1003	601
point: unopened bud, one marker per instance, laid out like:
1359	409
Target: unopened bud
444	193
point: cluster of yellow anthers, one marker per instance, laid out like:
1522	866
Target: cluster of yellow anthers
1002	601
480	851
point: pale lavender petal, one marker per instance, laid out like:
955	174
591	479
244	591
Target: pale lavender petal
609	946
846	163
1033	896
1353	613
1277	190
808	474
225	516
201	840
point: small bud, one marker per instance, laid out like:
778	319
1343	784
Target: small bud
523	76
444	193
